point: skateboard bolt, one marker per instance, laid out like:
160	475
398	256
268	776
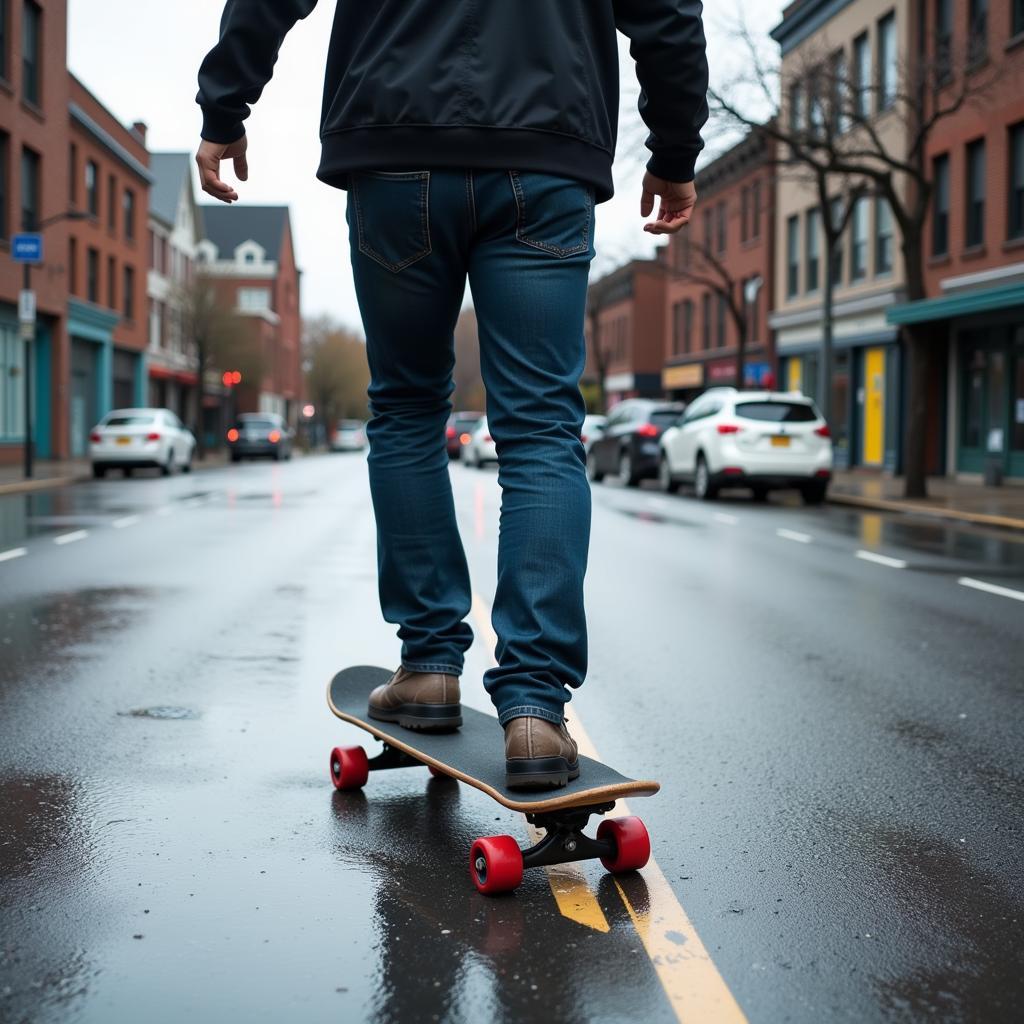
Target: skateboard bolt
481	864
336	768
570	845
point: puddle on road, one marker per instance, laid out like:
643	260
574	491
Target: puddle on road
163	713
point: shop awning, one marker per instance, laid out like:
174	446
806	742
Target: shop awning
951	306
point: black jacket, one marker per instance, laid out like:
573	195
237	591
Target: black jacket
523	84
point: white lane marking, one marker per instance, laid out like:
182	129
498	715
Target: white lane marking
724	517
6	556
70	538
988	588
193	502
120	524
892	563
800	538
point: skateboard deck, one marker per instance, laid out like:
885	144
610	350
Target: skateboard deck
474	753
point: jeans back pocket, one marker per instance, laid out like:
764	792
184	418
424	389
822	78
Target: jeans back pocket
392	216
553	213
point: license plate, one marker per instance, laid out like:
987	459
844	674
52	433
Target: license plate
124	440
780	441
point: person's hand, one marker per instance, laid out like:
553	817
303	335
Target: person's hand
678	198
209	157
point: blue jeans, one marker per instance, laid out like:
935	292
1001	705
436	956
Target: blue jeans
524	241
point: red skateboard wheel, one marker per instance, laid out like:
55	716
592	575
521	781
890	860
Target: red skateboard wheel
631	841
349	767
496	864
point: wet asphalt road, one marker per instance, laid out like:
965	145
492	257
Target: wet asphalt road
840	741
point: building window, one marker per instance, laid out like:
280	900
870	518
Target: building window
723	310
12	409
31	55
792	256
838	208
745	214
884	242
4	37
975	227
129	214
129	293
862	75
1015	229
688	326
751	300
839	94
888	67
254	300
705	316
1017	18
682	327
111	282
812	229
29	190
722	228
859	240
111	204
5	181
73	175
709	229
943	39
92	188
797	114
92	275
977	30
940	199
756	210
73	265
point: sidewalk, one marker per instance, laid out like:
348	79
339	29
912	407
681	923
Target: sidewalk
947	499
49	473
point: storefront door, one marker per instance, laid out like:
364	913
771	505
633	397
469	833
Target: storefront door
989	425
873	441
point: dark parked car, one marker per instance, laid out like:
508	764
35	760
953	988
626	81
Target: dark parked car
628	448
459	430
259	435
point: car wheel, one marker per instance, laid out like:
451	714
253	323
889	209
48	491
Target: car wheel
667	482
592	471
235	457
759	493
187	468
702	485
127	471
814	494
99	471
167	468
626	477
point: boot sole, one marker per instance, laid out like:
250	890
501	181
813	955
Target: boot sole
540	772
421	717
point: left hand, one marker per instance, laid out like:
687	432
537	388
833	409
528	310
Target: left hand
209	157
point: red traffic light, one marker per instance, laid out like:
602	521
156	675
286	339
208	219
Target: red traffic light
231	377
236	377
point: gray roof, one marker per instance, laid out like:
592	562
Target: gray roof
169	171
229	226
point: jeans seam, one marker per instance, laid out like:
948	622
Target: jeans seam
471	199
555	250
364	246
529	711
428	666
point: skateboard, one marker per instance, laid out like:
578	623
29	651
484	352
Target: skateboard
473	754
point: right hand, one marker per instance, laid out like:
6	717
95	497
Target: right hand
678	198
209	157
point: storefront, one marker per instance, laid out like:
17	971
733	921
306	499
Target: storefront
683	382
174	390
91	387
129	377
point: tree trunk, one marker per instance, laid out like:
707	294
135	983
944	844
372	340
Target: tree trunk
599	365
743	334
917	348
827	329
200	396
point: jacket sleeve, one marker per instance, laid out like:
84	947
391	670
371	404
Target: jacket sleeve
667	42
235	71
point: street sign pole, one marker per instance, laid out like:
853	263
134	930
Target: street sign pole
28	328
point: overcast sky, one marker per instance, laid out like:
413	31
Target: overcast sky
141	57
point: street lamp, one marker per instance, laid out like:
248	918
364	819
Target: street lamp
27	306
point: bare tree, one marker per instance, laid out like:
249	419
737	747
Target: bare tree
337	375
855	139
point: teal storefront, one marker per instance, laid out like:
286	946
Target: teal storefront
12	383
90	389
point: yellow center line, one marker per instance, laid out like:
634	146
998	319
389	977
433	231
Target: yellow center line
692	983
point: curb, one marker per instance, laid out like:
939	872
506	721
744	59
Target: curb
911	508
50	482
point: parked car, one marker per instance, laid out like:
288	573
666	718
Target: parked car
459	430
260	435
349	436
628	446
763	440
129	439
593	428
480	448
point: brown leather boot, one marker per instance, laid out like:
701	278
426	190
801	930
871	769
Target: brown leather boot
418	700
539	753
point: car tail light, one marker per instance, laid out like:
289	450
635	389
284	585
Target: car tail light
733	471
95	437
464	438
450	432
152	436
728	428
824	473
647	430
274	436
823	431
583	438
232	435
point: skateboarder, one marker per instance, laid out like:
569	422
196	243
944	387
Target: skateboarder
474	140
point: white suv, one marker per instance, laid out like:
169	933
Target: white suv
758	439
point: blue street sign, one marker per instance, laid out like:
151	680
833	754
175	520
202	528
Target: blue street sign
27	248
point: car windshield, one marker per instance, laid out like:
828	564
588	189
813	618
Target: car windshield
128	420
777	412
467	422
350	425
258	423
664	417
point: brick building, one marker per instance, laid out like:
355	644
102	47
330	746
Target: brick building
249	252
625	329
723	262
107	261
33	189
975	246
